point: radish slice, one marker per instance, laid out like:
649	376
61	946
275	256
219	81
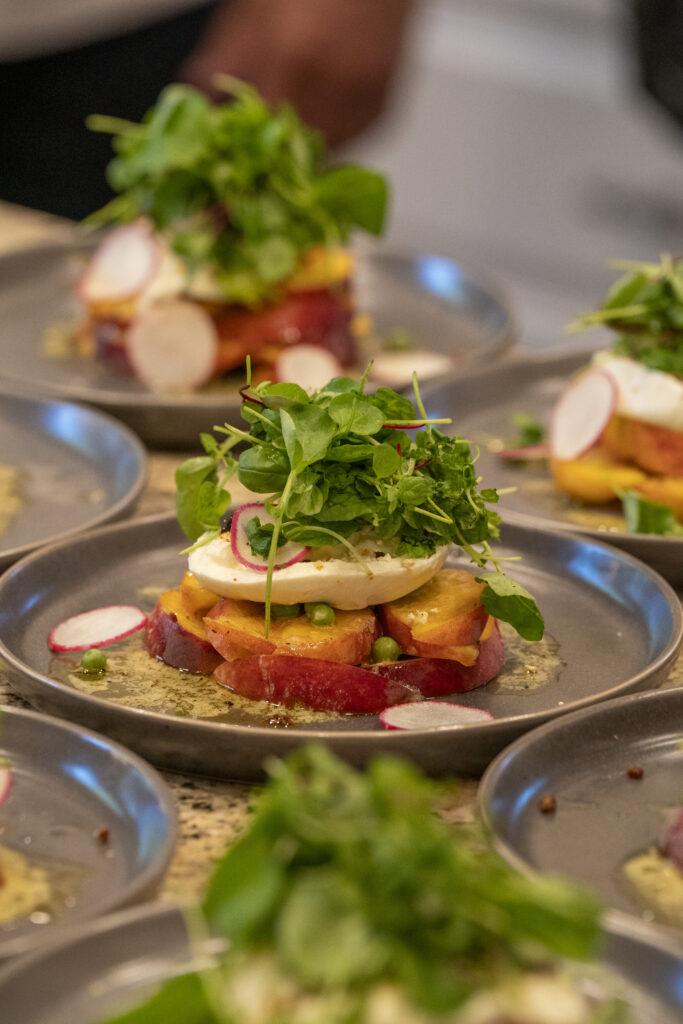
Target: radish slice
5	783
581	414
528	453
432	715
395	369
309	366
288	554
122	265
173	346
97	628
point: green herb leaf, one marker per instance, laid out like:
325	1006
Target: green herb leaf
529	430
354	195
184	994
196	494
385	461
508	600
260	536
263	470
645	516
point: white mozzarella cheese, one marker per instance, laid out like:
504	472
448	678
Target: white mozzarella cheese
338	582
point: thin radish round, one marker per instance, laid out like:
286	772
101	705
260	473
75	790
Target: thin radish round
122	265
96	628
5	783
581	414
395	369
309	366
288	554
432	714
173	346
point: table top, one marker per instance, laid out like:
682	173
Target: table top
211	812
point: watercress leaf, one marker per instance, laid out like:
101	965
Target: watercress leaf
263	469
644	516
344	507
208	443
280	396
529	430
355	196
509	601
211	502
260	536
394	406
413	490
180	997
350	453
245	888
340	386
355	414
190	477
308	431
385	461
489	494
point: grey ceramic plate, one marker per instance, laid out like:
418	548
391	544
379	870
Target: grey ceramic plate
615	627
67	785
603	817
440	303
116	962
77	469
482	405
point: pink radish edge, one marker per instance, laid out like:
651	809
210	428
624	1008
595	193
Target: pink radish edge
5	783
582	413
98	627
432	714
239	543
118	238
310	366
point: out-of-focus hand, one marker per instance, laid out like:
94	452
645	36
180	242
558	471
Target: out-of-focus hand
332	59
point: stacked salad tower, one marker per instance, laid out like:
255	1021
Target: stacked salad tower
231	242
617	431
347	901
331	592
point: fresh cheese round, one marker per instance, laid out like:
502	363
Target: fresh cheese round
337	581
644	394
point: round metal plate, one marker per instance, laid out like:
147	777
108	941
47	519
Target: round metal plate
77	469
603	609
68	784
483	404
116	963
441	304
603	816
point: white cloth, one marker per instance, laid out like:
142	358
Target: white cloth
32	28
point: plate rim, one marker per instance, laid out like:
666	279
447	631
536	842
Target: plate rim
112	399
615	924
126	896
496	770
547	361
530	720
120	507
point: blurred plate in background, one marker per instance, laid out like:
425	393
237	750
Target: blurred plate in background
432	300
94	817
63	468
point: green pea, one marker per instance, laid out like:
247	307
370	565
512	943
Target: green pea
94	661
320	614
385	648
285	611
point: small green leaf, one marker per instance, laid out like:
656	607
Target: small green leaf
263	469
183	996
508	600
644	516
356	196
529	430
385	461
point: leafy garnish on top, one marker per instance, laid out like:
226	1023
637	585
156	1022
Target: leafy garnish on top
237	188
645	307
529	431
341	463
345	881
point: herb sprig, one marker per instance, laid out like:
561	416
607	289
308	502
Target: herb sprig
344	881
645	516
645	307
341	464
237	188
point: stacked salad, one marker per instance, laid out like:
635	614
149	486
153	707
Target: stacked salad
231	241
348	901
617	431
331	591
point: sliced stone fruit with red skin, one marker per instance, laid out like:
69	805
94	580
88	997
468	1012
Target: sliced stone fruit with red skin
444	612
178	638
319	685
438	677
